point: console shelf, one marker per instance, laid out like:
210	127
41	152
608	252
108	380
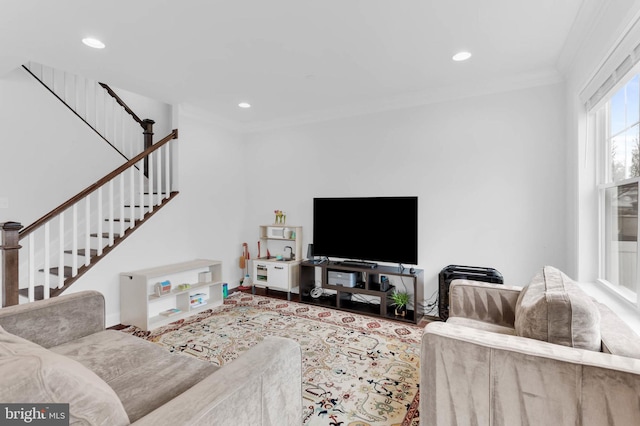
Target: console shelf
368	284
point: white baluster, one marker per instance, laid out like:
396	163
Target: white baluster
47	260
74	241
69	90
87	231
47	76
32	267
61	251
159	176
167	169
99	92
121	199
100	219
90	102
132	196
141	187
110	212
151	181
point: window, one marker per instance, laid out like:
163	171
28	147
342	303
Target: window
617	126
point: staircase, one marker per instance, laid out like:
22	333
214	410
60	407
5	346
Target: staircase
61	246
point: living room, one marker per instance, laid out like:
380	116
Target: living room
482	158
484	183
502	163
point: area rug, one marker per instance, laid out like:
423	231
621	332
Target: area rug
357	370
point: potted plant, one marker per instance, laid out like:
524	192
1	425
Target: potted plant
400	299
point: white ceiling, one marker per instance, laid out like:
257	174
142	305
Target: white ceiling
292	59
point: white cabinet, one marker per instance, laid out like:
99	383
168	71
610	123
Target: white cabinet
280	275
280	257
142	307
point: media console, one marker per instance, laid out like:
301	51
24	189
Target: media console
367	287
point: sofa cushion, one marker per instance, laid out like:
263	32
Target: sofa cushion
482	325
143	375
33	374
553	308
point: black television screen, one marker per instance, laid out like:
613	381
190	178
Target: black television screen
381	229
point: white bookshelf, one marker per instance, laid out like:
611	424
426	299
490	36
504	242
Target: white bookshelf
140	306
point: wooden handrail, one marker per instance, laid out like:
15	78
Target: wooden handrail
122	104
70	202
74	111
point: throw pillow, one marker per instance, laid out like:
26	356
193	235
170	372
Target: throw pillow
33	374
554	309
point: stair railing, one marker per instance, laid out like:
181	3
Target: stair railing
99	107
87	226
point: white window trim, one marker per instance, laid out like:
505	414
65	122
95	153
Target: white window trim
599	133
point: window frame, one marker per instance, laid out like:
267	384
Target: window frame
604	180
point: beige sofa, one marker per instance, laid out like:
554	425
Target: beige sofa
58	350
526	356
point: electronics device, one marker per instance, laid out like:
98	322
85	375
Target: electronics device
342	278
310	255
384	283
383	229
316	292
452	272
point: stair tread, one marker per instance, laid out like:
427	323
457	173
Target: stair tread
56	271
105	235
81	252
38	290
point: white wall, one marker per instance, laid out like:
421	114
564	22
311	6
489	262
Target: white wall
489	172
204	221
47	154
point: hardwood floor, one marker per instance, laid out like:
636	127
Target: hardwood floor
276	294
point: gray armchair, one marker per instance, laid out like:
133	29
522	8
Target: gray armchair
478	369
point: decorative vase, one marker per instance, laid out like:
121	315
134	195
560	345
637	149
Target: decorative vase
401	311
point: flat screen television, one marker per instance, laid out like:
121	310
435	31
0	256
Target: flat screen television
380	229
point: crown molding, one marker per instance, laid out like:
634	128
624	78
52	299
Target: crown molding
412	100
197	113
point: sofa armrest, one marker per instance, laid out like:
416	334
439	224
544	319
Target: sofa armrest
491	303
500	379
57	320
261	387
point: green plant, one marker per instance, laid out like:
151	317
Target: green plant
399	298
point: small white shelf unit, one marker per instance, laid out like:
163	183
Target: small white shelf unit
139	305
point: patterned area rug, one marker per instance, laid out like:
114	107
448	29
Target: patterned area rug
357	370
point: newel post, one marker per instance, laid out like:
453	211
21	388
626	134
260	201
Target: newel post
148	141
10	247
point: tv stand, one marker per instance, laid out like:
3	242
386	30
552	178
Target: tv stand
359	264
368	284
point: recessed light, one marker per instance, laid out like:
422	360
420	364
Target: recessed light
244	105
461	56
93	42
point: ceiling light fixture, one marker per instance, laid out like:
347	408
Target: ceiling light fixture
93	42
244	105
461	56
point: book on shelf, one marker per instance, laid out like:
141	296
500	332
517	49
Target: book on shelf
170	312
